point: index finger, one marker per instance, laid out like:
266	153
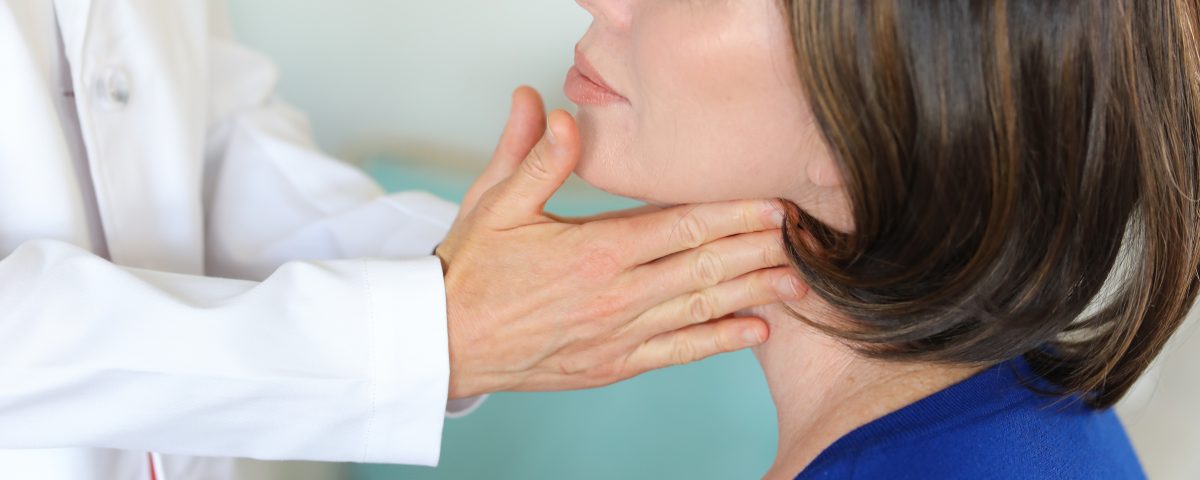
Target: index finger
658	234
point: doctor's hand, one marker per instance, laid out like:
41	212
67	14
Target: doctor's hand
538	303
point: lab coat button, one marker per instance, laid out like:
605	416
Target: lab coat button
112	88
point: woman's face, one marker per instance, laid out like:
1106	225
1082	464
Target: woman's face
685	101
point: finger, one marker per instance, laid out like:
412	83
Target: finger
689	226
711	264
763	287
525	126
698	342
523	195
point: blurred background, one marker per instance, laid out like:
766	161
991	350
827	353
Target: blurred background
416	93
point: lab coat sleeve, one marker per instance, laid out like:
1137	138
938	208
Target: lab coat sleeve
272	196
319	361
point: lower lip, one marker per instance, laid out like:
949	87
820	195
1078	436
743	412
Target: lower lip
583	91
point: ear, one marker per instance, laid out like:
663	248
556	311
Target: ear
823	172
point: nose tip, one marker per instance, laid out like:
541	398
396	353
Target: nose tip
614	13
588	5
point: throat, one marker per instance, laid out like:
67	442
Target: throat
823	389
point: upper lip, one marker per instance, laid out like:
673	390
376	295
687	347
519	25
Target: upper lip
587	70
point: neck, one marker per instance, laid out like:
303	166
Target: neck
823	390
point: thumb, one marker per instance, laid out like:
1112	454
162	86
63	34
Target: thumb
526	124
521	198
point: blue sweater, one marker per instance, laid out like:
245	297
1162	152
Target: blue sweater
986	427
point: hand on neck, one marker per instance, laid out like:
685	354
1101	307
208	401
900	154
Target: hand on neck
823	389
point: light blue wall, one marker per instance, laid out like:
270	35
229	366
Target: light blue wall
430	72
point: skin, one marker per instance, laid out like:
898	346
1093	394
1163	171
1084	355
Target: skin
537	302
713	91
716	107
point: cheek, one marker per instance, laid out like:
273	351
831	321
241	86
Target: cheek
608	161
723	107
716	108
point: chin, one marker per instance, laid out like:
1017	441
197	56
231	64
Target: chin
613	174
606	164
601	173
606	176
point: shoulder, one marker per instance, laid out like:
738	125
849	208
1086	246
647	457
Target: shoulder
1032	439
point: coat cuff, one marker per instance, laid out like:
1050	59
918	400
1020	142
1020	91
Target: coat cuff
462	407
437	212
410	361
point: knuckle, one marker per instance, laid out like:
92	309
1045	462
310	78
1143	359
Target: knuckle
700	307
604	373
570	367
691	230
489	199
536	166
602	306
487	209
773	254
708	269
683	353
769	257
606	308
764	284
750	216
725	343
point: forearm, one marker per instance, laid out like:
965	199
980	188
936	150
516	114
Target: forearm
317	362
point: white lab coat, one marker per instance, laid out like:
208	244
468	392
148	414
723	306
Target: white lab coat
183	272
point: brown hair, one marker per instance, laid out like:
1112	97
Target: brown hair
1003	160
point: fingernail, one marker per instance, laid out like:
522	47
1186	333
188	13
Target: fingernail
751	337
789	287
776	216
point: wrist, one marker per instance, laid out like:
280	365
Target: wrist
441	258
466	382
469	375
